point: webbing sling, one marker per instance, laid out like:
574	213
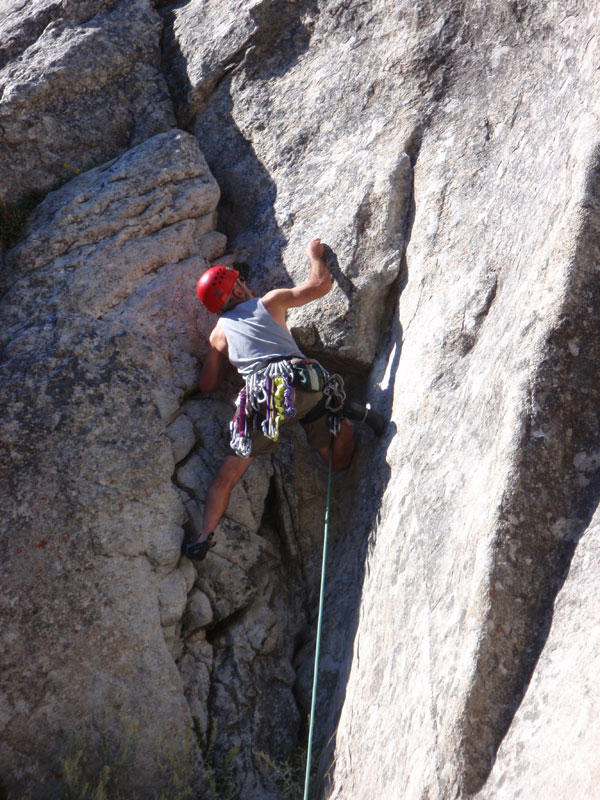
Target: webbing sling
318	641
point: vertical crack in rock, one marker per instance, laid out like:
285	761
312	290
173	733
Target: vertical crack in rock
467	289
305	140
252	699
356	514
246	603
259	209
196	57
546	507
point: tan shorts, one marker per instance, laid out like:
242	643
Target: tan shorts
317	432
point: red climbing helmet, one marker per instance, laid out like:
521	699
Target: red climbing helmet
214	287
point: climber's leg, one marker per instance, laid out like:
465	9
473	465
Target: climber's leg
217	500
219	491
342	448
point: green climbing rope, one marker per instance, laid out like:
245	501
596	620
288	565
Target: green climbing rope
318	642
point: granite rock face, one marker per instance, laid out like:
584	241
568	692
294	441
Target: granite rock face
277	189
97	350
469	135
80	82
448	155
106	458
492	477
536	758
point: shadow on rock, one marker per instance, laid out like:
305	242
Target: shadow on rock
343	281
246	209
356	513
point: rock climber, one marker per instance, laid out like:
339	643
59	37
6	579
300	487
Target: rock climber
281	384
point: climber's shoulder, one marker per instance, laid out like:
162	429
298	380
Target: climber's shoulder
215	362
218	339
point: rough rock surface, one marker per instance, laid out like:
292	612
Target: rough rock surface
96	354
445	151
79	83
492	469
278	188
312	127
536	758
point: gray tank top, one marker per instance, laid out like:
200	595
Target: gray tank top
254	338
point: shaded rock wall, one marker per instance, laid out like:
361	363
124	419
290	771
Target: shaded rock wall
447	152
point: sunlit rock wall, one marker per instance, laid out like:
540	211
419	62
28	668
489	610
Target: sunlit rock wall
447	154
98	349
492	469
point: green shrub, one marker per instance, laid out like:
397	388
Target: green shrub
219	774
14	216
100	766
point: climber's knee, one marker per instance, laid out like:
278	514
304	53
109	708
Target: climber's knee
231	470
342	448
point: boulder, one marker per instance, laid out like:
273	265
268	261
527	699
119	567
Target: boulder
80	82
91	530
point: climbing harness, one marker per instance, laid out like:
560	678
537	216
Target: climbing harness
313	703
267	400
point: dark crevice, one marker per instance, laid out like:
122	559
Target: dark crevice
278	38
372	476
220	628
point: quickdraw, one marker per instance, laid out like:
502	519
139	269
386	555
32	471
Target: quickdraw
267	400
336	396
268	393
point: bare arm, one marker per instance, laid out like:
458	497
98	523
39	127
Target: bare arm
215	363
318	284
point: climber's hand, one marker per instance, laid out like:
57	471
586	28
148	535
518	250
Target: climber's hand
314	250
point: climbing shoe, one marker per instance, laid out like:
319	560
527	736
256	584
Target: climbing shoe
196	551
365	416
